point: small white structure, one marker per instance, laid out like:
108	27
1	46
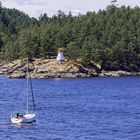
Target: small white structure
60	56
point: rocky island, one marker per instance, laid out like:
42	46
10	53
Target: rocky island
51	68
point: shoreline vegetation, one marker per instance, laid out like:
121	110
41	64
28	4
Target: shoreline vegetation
106	43
51	68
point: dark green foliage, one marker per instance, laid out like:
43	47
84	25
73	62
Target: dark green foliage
109	37
72	51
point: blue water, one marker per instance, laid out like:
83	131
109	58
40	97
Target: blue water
74	109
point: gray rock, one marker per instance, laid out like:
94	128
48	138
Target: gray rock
51	68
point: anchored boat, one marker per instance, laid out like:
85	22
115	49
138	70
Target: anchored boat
27	116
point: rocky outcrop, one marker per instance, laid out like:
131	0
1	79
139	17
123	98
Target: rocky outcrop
51	68
117	73
47	68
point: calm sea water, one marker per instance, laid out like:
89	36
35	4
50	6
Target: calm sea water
74	109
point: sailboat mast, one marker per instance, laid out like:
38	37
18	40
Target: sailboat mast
33	100
27	102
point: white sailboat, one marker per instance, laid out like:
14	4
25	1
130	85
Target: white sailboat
27	116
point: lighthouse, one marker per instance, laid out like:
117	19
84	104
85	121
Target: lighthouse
60	56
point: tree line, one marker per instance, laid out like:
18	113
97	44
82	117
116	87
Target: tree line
110	37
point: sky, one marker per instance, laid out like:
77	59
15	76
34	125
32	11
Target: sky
34	8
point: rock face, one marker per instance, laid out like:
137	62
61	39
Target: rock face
51	68
117	73
47	68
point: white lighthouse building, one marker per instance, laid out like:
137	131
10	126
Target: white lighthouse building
60	56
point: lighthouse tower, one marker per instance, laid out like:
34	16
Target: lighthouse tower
60	56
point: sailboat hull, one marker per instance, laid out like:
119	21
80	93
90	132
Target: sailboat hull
26	118
29	118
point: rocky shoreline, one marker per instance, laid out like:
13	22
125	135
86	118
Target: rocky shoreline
51	68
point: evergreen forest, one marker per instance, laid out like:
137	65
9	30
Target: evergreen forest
110	37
